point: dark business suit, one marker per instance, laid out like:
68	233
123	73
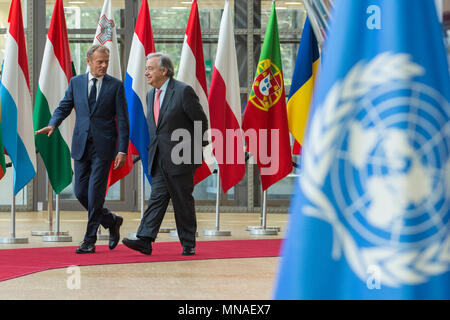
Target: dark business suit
180	109
96	141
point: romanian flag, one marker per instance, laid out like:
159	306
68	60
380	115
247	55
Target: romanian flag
300	96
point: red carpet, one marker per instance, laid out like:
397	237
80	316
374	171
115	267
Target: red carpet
20	262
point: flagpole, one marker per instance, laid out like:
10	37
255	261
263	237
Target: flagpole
57	235
50	231
264	230
217	231
13	239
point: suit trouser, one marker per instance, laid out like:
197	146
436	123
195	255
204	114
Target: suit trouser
91	178
166	187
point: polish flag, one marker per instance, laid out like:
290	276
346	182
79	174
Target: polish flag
225	107
192	72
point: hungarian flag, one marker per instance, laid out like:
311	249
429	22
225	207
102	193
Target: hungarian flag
225	107
192	72
2	152
136	86
265	120
15	98
54	78
106	36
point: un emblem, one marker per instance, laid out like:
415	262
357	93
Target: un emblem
382	180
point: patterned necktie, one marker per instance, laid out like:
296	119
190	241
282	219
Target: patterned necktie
157	105
93	93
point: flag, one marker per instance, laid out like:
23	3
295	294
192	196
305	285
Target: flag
225	107
265	118
2	152
192	72
15	97
136	86
56	71
370	216
300	95
106	36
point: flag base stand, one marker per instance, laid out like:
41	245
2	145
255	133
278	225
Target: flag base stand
48	233
251	228
264	232
13	240
174	233
132	236
101	236
166	229
217	233
57	237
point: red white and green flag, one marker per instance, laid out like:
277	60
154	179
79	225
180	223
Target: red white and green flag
54	78
265	122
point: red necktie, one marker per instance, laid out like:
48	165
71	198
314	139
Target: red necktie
156	105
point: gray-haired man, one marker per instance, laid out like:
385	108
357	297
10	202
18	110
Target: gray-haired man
171	105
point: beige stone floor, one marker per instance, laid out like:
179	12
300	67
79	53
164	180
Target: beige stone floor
198	280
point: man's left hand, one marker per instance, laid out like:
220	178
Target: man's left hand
120	161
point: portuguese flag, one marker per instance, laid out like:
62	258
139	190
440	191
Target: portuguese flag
265	122
2	152
54	78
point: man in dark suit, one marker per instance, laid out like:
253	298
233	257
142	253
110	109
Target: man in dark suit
98	100
173	111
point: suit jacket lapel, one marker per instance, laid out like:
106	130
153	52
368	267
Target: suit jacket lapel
151	104
85	90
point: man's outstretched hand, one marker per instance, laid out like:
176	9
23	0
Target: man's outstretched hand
48	130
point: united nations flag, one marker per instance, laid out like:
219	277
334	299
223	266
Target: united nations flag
370	218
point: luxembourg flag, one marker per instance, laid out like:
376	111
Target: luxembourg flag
15	96
136	86
225	107
192	72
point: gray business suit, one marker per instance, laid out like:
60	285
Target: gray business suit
180	109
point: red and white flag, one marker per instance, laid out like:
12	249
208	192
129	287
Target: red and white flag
192	72
225	107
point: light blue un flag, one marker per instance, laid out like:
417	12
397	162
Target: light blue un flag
370	218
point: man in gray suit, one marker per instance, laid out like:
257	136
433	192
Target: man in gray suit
171	106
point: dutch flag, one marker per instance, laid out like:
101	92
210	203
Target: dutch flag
136	87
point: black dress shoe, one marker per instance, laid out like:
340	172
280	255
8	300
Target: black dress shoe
114	234
86	247
140	245
188	251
